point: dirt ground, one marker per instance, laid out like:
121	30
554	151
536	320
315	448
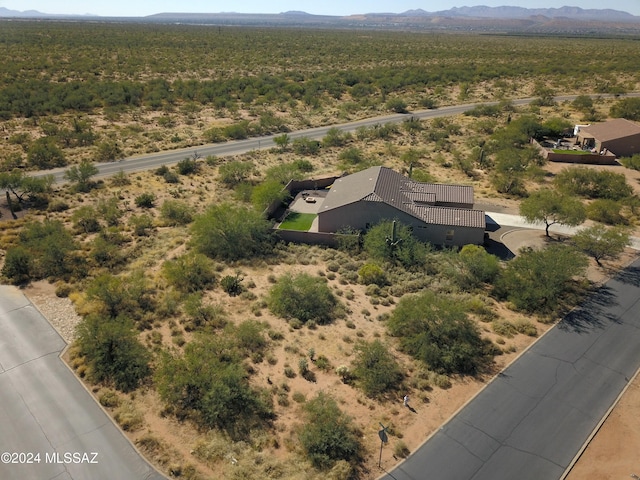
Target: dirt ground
611	454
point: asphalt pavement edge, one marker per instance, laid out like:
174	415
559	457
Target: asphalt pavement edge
84	386
471	399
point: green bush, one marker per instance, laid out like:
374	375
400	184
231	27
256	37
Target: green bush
17	265
328	435
145	200
209	383
537	280
394	242
189	273
375	369
605	211
113	352
370	273
435	329
175	212
303	297
592	183
230	232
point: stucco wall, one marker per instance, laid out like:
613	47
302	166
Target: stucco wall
624	147
362	215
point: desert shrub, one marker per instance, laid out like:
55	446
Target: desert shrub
190	272
503	327
375	369
145	200
303	297
435	329
175	212
231	232
370	273
113	352
186	166
109	398
46	249
401	450
201	314
481	267
17	265
403	247
141	224
209	384
592	183
525	327
232	284
605	211
632	162
128	417
328	434
235	172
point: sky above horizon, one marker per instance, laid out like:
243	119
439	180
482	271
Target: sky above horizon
128	8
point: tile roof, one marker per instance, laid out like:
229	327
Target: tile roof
611	130
421	200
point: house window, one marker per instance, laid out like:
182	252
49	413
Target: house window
449	237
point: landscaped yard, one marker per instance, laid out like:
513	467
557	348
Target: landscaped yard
573	152
298	221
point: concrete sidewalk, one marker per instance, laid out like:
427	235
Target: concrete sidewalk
507	220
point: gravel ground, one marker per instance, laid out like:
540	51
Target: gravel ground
59	311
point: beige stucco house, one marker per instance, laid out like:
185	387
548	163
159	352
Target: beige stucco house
438	213
618	136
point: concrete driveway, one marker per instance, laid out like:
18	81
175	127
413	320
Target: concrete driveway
50	426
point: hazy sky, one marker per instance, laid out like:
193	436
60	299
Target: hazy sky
326	7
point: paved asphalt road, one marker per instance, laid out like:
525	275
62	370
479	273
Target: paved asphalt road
531	421
147	162
45	410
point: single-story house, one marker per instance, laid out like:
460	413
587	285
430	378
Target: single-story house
439	214
618	136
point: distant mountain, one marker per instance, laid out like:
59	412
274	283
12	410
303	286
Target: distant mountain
573	13
6	13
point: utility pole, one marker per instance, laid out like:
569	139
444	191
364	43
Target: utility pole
383	439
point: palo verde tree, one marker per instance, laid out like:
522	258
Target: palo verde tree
537	280
81	175
601	242
20	184
552	207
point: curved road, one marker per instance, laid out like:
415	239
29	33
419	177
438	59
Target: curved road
46	414
533	418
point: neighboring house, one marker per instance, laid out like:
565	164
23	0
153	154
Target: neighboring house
619	136
440	214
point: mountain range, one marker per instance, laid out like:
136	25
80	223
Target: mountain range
561	21
481	11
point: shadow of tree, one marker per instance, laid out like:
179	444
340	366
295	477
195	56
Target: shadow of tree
630	276
590	314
